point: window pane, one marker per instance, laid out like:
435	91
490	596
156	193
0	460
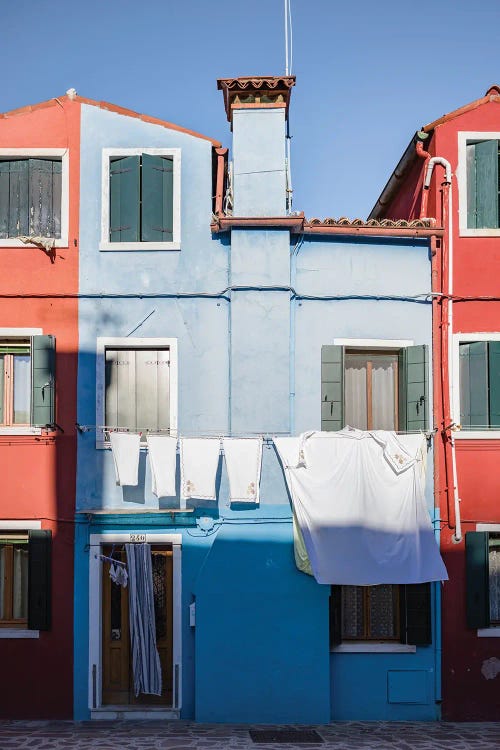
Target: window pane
355	391
20	582
494	567
22	388
383	393
352	612
383	608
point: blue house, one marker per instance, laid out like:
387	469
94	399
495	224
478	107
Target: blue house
209	309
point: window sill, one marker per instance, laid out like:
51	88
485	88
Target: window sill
493	632
483	232
20	430
131	246
491	434
18	633
373	647
13	242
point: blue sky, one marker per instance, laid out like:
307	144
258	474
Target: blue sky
368	74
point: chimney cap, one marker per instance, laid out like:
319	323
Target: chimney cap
255	91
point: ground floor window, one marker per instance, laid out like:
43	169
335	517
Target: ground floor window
14	580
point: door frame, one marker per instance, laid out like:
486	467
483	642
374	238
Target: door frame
95	609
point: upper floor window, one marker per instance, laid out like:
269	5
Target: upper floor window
137	384
479	384
482	184
374	388
27	382
30	197
34	195
141	199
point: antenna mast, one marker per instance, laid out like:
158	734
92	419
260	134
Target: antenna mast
288	71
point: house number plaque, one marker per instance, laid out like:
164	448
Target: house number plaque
137	537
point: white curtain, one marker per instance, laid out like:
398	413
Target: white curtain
22	388
20	603
2	580
383	395
145	658
494	556
355	395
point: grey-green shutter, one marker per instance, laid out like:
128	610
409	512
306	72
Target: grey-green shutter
43	365
157	183
486	184
44	197
332	387
124	202
335	616
4	198
471	185
494	382
477	579
415	614
474	384
414	388
18	198
39	579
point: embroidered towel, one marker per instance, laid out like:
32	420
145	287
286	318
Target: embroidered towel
162	450
243	463
125	447
199	462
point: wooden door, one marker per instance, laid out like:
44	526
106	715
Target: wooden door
117	675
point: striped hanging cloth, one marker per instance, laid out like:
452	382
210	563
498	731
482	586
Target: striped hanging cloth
145	658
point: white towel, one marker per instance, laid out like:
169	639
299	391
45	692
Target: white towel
162	450
243	462
125	447
199	462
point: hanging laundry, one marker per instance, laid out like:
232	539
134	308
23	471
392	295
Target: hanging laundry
162	451
125	447
199	463
359	500
243	462
118	574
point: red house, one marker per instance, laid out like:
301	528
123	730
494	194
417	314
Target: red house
450	171
39	197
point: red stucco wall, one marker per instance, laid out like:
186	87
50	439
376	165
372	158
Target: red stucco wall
38	472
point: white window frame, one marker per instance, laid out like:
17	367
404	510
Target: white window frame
6	333
95	610
107	155
19	525
464	138
127	342
494	631
63	154
464	338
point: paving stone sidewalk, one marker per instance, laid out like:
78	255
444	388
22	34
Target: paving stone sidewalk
182	735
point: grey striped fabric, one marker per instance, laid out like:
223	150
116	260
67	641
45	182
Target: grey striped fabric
145	658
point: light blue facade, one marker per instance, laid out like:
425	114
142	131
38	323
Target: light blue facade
250	310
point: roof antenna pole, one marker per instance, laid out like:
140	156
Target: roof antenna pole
288	71
286	36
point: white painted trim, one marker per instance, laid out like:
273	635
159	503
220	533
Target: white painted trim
487	526
105	244
457	339
95	605
488	632
464	138
370	647
21	525
375	343
104	342
20	430
18	633
62	241
20	332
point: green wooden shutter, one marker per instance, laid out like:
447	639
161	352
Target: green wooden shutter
39	579
157	183
124	192
413	388
332	387
471	185
477	579
415	614
18	198
486	184
43	363
474	384
494	382
4	198
335	616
